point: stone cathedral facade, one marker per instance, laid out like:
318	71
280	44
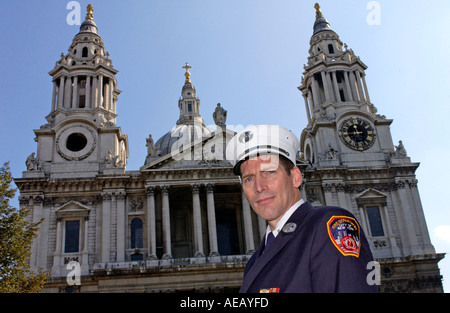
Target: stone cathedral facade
181	222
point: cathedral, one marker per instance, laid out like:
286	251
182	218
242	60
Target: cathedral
181	223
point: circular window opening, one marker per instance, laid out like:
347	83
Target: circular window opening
76	142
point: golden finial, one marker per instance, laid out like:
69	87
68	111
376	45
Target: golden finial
89	9
187	74
318	13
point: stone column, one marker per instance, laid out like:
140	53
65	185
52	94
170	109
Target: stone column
106	227
54	96
327	190
360	88
88	92
308	112
393	243
106	96
166	223
407	218
110	105
121	236
336	87
68	93
248	229
198	238
340	189
85	252
39	203
347	85
212	230
353	86
36	245
100	91
363	219
61	91
315	92
86	233
366	91
75	92
311	100
58	250
151	222
417	205
326	86
94	92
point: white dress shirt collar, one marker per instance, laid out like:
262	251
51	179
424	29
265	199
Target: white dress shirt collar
284	218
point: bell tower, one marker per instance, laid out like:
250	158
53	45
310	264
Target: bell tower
350	161
336	94
81	138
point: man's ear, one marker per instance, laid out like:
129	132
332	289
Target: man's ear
296	176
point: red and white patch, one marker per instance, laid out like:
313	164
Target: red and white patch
344	233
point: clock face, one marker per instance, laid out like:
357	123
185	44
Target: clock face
357	134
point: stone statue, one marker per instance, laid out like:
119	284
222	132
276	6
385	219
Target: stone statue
220	115
152	150
400	151
331	153
33	163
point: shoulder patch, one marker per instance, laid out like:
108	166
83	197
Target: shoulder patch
344	234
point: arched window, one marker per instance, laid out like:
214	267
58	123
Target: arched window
84	53
330	49
137	240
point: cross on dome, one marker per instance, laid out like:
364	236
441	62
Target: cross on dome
187	74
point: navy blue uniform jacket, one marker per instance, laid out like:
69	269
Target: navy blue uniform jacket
326	252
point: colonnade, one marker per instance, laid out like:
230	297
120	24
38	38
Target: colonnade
197	222
351	88
98	91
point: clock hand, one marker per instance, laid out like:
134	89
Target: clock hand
356	132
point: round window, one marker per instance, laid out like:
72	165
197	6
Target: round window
76	142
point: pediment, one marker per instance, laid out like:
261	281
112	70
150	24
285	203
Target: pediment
72	208
369	194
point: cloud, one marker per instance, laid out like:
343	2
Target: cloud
442	232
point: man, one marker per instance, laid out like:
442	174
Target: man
305	249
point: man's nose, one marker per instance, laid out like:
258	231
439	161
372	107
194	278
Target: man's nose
260	183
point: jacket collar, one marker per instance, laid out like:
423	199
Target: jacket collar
278	243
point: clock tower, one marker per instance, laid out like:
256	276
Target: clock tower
81	138
350	161
343	127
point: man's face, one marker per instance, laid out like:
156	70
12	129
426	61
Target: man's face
268	188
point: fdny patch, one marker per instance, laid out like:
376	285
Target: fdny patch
344	234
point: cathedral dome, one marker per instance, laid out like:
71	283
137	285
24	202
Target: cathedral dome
181	137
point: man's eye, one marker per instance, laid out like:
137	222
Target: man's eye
248	179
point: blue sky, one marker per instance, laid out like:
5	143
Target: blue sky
248	55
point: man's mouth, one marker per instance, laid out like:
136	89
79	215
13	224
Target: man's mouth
264	200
